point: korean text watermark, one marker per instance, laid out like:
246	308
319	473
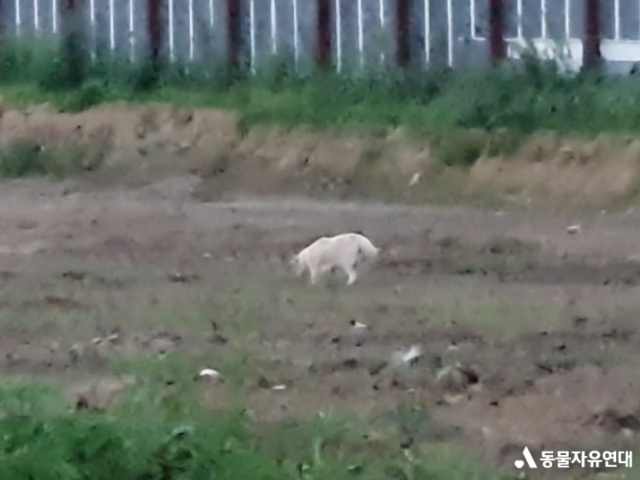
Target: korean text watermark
584	459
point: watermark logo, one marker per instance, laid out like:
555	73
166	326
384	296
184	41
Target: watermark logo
564	459
531	463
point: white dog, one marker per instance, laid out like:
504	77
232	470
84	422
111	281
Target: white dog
343	251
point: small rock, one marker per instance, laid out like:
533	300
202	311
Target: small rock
573	229
414	180
75	352
219	339
211	377
377	368
279	387
452	399
263	382
409	357
357	325
114	338
74	275
177	277
456	379
27	224
210	373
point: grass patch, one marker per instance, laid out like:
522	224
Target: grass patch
42	440
530	96
26	158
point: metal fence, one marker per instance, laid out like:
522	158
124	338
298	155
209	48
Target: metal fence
356	34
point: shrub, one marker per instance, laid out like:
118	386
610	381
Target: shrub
26	158
38	439
521	98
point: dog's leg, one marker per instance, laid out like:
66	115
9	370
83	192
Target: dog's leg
314	275
351	274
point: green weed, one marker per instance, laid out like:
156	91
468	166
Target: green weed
190	444
26	158
532	96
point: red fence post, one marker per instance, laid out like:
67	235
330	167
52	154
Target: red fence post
154	30
497	45
403	46
591	57
323	33
67	12
73	66
234	32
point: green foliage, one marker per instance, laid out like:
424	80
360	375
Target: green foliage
26	158
39	439
533	95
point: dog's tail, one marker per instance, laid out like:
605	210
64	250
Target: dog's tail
367	248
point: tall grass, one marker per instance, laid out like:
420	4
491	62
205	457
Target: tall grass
529	96
40	439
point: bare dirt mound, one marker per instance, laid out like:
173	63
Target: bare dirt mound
153	140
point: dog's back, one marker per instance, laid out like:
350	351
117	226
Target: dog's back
363	244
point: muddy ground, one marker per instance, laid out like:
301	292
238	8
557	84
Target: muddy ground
105	278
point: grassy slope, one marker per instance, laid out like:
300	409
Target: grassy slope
533	97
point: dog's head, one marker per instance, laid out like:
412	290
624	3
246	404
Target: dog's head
296	265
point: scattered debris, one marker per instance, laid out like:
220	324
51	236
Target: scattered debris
113	337
212	376
376	368
177	277
75	352
263	382
454	399
409	357
414	180
219	339
573	229
279	387
347	364
456	378
209	372
27	224
63	302
357	325
74	275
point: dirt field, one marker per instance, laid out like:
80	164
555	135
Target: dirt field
547	319
99	280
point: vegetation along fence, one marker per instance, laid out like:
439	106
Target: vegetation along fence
351	35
